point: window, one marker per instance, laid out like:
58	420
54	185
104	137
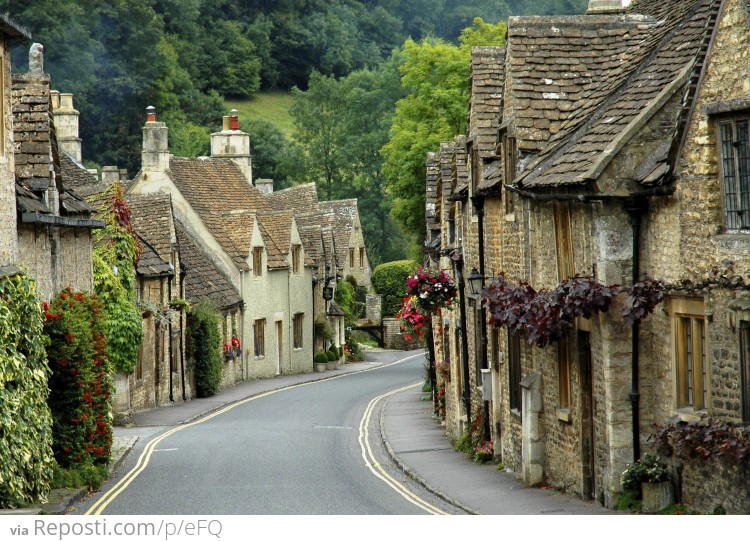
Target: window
361	257
735	169
563	241
297	323
563	374
296	253
258	261
259	336
351	258
514	371
745	369
690	347
508	154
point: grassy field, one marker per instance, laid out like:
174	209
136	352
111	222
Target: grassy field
272	106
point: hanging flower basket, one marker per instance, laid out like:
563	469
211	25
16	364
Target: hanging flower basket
412	319
433	289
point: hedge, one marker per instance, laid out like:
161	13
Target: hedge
204	345
389	281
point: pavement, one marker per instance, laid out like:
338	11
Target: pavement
414	439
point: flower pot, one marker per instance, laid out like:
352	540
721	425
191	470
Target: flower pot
331	365
656	496
321	367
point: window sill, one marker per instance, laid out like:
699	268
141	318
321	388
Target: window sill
689	415
516	413
260	357
563	414
510	217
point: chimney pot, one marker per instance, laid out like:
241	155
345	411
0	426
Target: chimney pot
150	113
225	123
234	120
55	95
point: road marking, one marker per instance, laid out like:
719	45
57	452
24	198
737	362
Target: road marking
333	427
165	450
378	471
145	457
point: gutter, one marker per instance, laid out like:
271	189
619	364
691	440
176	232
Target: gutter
61	221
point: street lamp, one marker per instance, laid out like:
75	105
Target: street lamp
476	281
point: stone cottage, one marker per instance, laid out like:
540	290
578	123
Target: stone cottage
608	146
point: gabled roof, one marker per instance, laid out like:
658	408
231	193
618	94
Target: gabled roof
561	69
276	228
215	187
487	83
342	214
203	280
11	28
150	264
575	156
75	175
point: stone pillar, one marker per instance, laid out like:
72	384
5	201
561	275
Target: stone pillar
532	446
373	310
233	144
110	174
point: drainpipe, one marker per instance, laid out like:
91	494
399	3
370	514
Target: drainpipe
636	207
432	375
169	342
478	201
182	332
464	341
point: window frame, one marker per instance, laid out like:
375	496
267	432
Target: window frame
298	330
351	258
257	261
515	400
689	330
736	214
296	258
259	337
361	257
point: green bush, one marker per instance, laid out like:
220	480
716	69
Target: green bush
389	281
86	474
331	355
26	459
346	298
321	357
204	345
81	382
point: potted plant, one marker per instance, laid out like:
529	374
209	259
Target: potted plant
321	361
331	364
649	476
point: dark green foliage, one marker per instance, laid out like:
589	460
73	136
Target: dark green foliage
389	281
80	475
81	382
321	357
25	422
331	355
204	345
346	298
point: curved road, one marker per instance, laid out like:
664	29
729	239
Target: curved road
309	449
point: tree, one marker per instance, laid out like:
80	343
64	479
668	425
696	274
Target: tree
436	77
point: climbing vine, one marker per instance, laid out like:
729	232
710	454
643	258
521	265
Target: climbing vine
25	422
116	254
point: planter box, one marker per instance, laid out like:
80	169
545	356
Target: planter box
321	367
656	496
331	365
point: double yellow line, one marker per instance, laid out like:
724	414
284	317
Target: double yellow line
376	468
143	460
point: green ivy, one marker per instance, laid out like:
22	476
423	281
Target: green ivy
116	247
204	345
26	459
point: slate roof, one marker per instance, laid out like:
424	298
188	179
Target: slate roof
301	198
151	216
150	264
487	83
580	150
203	280
215	187
342	214
76	175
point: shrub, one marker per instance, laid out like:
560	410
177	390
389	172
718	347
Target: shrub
26	459
389	281
330	355
650	468
204	345
346	298
321	357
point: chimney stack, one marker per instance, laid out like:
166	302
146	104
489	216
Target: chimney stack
155	154
265	185
233	144
66	124
110	174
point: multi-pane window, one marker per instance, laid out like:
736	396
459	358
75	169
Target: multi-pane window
690	346
297	324
745	369
296	256
514	371
258	261
361	257
735	168
351	258
563	374
259	337
508	153
563	241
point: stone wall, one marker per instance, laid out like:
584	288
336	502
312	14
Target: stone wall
8	233
394	338
708	485
373	308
